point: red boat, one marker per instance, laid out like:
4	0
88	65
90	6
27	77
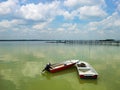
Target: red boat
60	66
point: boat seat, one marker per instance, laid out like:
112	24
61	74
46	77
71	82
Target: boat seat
81	65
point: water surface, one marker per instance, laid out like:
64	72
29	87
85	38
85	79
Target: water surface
21	64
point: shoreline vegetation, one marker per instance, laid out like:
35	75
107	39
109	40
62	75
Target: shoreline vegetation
89	42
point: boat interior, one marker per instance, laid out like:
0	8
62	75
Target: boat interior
57	65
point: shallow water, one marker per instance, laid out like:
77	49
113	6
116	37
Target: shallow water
21	64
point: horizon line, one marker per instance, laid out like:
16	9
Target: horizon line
55	39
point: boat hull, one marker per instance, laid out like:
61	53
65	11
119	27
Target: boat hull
62	66
88	77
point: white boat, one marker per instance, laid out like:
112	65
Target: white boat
85	70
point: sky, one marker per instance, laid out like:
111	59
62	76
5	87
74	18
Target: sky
60	19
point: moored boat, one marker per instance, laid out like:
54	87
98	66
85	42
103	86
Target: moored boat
60	66
85	70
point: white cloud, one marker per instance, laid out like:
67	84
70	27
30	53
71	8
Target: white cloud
93	28
39	26
41	16
70	3
61	29
42	25
91	12
79	3
7	7
84	9
70	26
110	23
113	20
68	15
118	6
46	11
39	11
11	23
85	12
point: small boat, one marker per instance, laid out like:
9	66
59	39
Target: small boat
85	70
60	66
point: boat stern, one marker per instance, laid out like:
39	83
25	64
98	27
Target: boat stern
89	76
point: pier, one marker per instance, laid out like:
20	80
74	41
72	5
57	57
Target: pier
89	42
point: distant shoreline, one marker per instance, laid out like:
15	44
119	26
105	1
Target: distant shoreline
53	40
83	42
24	40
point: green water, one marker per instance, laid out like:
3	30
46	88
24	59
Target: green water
21	64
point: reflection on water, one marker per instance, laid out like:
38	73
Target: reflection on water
61	73
21	64
31	69
71	70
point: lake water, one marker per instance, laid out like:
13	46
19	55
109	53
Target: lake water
21	64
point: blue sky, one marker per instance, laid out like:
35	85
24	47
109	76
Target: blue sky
60	19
